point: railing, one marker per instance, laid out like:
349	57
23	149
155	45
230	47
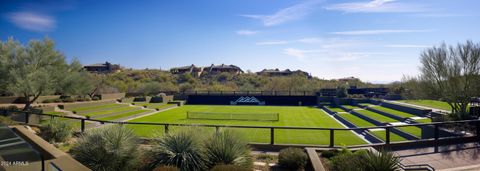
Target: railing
416	167
436	125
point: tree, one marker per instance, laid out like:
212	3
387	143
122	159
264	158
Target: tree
453	74
33	70
76	81
342	91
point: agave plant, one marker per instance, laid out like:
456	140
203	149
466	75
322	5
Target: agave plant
181	149
227	148
381	161
56	130
108	148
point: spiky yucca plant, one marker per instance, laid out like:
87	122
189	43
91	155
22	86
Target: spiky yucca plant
56	130
381	161
181	149
227	148
108	148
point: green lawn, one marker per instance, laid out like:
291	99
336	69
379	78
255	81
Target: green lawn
376	116
110	111
382	135
335	109
394	112
416	131
365	104
359	122
114	117
289	116
99	107
351	107
430	103
154	105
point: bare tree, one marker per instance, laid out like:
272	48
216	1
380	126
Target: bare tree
453	73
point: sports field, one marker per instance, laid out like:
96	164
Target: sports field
289	116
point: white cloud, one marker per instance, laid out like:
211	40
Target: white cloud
272	43
375	6
299	53
407	46
286	14
247	32
310	40
295	52
375	32
32	21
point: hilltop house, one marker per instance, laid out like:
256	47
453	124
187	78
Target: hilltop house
192	69
286	72
102	68
213	69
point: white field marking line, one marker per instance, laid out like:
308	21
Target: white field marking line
376	129
342	112
417	118
358	109
397	123
98	124
148	114
345	126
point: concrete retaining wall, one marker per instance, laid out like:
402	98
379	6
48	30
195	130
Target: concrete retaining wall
408	109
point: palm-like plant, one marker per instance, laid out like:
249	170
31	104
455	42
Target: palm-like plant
381	161
181	149
108	148
228	148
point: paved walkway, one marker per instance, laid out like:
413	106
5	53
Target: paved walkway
448	158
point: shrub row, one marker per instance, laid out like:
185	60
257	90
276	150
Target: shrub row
70	99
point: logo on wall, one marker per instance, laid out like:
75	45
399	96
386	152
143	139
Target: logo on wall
247	100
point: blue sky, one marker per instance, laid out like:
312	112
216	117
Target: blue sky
375	40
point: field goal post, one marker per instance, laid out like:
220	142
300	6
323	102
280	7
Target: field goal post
233	116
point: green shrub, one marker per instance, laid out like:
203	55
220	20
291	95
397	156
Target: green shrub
145	106
58	100
80	99
133	103
68	99
56	130
329	153
381	161
229	168
88	99
95	98
157	109
227	147
74	112
292	158
61	106
107	148
345	160
181	149
6	121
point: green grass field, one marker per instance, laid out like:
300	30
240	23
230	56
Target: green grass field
359	122
379	117
123	115
351	107
154	105
394	112
335	109
430	103
289	116
376	116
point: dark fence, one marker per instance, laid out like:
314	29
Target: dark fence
467	130
244	93
289	100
